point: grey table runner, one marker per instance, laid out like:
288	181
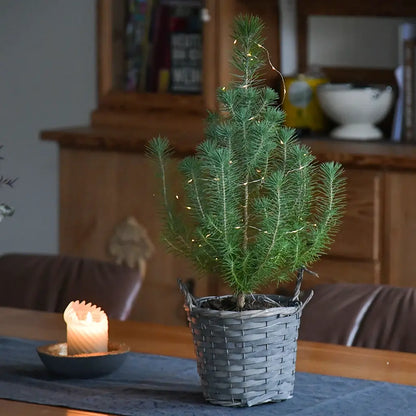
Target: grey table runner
158	385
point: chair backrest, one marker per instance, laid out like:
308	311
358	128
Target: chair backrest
390	321
50	282
362	315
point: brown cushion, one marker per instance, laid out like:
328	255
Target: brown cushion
372	316
390	321
50	282
332	313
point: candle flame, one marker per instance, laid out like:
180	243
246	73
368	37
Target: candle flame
88	319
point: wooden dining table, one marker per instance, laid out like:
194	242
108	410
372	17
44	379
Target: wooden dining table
319	358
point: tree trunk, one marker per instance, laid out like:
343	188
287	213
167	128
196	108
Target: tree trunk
241	301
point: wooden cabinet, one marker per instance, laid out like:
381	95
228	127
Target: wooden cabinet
104	176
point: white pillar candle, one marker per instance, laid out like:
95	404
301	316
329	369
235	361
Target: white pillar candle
86	328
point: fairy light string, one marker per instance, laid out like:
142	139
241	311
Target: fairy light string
276	70
270	63
271	66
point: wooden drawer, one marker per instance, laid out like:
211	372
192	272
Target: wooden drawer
360	234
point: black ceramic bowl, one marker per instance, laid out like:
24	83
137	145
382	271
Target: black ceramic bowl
57	361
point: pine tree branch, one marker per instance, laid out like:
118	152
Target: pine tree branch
189	168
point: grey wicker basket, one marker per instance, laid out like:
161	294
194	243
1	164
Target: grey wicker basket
246	358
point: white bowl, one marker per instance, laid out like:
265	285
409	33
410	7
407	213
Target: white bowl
357	109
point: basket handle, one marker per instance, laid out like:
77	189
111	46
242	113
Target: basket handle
299	279
189	299
306	301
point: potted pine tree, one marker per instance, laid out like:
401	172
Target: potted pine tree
257	209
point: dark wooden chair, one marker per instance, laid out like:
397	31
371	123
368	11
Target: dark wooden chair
50	282
362	315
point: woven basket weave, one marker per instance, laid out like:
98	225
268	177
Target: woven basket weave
246	358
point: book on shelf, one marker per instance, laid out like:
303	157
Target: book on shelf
136	43
165	55
186	52
406	32
409	90
158	73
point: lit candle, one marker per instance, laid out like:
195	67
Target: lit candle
86	328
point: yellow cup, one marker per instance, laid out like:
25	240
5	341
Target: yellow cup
301	103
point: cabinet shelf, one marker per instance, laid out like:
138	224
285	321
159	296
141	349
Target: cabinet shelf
380	155
119	139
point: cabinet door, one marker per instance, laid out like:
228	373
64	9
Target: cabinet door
400	225
355	255
360	231
145	102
